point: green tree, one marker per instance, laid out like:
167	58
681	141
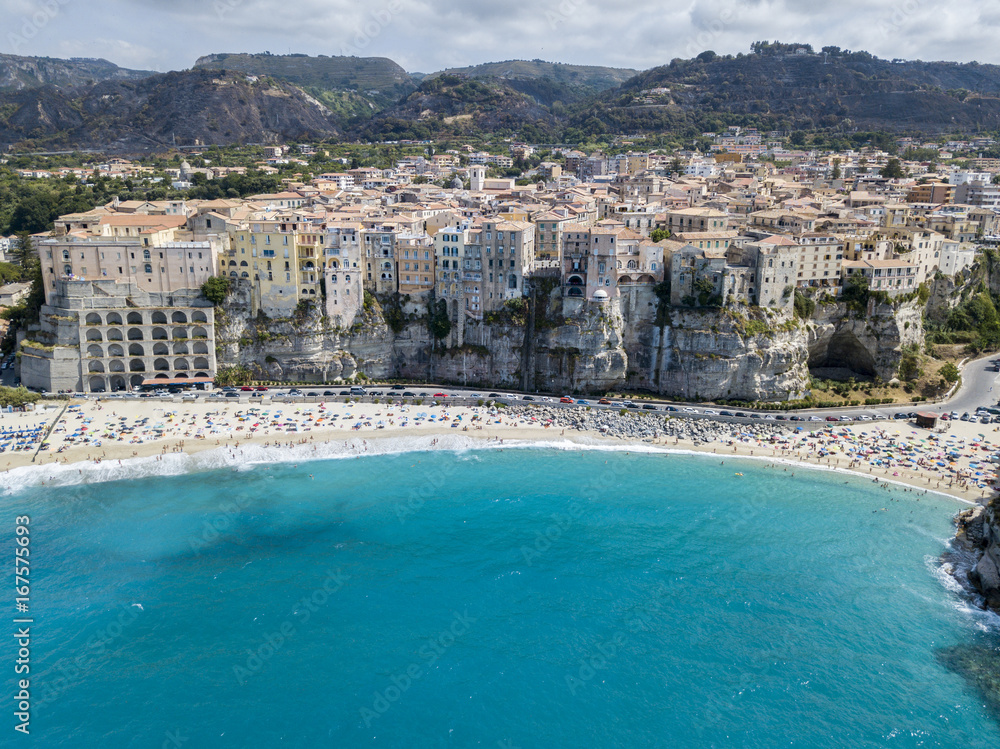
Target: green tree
949	372
215	289
658	235
25	254
17	397
893	169
836	170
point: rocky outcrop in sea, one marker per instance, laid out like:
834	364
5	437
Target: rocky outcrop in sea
978	533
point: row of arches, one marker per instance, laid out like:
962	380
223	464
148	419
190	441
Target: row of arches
138	365
157	334
118	382
137	318
97	351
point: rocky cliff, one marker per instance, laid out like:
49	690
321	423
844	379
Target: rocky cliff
979	532
843	342
550	343
18	73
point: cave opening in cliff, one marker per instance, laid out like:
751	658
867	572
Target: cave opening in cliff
843	358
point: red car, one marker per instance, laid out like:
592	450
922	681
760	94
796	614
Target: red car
833	418
246	389
261	390
566	399
440	395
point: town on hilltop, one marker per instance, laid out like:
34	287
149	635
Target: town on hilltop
753	225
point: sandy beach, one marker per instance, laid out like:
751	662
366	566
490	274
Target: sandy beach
954	461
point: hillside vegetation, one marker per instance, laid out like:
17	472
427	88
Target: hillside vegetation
789	86
154	112
374	81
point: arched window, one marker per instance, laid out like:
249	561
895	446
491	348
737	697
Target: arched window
146	255
148	268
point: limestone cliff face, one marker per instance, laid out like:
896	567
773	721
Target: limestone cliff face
730	354
869	345
979	531
563	344
302	348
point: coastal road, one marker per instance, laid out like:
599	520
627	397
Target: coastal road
980	387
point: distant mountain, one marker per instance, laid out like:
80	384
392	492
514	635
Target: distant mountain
452	105
240	98
352	86
192	106
18	73
587	78
786	86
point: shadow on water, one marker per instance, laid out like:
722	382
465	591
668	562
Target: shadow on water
978	663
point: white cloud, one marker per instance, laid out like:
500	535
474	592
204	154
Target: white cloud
428	35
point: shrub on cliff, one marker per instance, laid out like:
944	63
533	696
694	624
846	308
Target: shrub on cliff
215	289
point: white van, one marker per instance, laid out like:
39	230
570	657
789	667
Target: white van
356	390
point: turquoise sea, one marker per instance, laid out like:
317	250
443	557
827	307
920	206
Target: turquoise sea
496	598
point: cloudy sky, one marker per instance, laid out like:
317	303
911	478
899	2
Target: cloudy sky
428	35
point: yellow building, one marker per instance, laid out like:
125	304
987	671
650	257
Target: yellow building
282	256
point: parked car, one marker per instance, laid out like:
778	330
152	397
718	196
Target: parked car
604	402
295	391
398	387
629	404
344	392
797	418
725	413
710	412
408	394
582	402
440	395
261	389
740	415
670	408
649	407
527	398
566	399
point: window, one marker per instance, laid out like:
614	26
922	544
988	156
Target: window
148	268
